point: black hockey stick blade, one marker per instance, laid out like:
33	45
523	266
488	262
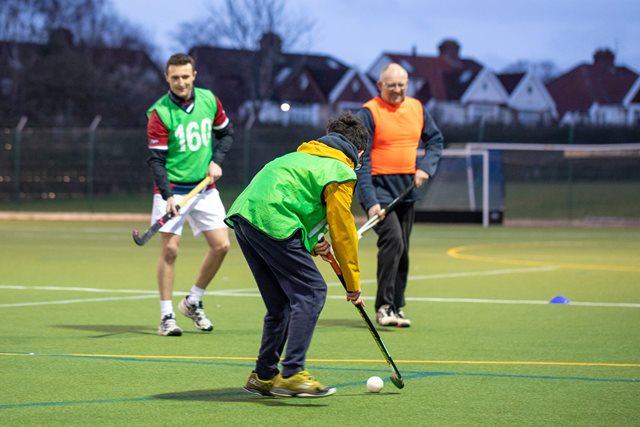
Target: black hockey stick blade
396	377
151	231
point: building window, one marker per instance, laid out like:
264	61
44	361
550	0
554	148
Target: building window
303	83
283	74
407	66
487	113
465	76
332	64
355	86
6	86
302	114
528	117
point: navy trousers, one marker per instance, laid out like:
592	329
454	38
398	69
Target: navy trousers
294	293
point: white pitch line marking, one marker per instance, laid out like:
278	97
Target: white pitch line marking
253	293
246	293
487	273
76	289
250	290
103	290
506	301
476	273
75	301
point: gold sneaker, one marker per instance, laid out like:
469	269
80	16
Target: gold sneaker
302	384
256	385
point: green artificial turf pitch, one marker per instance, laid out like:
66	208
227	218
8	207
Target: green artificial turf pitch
79	310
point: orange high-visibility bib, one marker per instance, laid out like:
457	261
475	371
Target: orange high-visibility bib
396	135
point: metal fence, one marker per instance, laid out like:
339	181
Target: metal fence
87	162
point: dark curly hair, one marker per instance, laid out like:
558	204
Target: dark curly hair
180	59
352	128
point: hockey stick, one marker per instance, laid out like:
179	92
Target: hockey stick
151	231
374	220
395	377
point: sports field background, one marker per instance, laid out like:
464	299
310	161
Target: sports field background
80	312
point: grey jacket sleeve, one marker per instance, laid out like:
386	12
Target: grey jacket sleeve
365	190
434	144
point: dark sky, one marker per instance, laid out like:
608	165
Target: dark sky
496	33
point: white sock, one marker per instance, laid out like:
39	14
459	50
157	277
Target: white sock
166	307
195	295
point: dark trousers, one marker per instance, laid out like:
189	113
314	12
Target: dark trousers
293	291
393	255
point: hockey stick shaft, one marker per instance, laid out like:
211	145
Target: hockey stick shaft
398	199
376	219
151	231
396	378
373	221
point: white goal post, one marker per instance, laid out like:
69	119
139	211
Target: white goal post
480	182
467	153
467	203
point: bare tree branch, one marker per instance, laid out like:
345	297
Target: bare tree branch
545	70
63	81
19	21
241	23
92	23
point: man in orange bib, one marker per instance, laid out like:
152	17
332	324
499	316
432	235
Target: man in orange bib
397	123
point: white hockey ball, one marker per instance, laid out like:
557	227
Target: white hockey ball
375	384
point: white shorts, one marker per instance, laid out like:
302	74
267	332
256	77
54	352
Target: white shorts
204	212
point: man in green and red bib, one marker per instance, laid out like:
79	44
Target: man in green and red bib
189	135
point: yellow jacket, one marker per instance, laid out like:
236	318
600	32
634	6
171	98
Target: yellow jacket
338	198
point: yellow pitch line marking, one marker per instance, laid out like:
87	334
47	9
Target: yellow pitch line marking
163	357
406	361
457	254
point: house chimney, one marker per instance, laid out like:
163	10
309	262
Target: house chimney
603	58
449	48
60	38
271	42
414	50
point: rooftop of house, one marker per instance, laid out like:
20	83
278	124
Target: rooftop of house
443	75
600	82
231	73
510	80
